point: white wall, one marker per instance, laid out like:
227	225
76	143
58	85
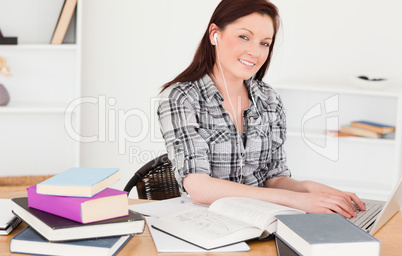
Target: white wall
130	48
331	40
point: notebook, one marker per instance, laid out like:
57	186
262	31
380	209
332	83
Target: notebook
379	212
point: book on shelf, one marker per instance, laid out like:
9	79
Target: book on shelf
327	234
372	126
78	181
359	131
55	228
337	133
8	221
226	221
63	21
8	40
28	241
107	204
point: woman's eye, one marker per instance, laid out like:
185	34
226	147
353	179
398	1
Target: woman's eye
244	37
265	44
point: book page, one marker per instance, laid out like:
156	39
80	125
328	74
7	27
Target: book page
206	223
254	212
6	216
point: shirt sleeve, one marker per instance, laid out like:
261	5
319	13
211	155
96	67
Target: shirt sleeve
186	149
278	167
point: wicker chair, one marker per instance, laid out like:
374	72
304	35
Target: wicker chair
155	180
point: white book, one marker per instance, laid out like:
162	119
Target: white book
226	221
167	243
8	221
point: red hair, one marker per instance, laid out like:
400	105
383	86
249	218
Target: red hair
225	13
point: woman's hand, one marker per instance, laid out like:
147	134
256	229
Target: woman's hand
322	198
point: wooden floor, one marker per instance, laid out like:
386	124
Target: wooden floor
19	183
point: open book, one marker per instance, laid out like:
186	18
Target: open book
226	221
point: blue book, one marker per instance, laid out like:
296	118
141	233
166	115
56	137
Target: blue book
81	182
28	241
325	234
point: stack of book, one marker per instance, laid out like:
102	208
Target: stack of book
365	129
78	213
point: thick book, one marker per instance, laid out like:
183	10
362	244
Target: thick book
226	221
327	234
107	204
372	126
359	131
8	221
82	182
28	241
63	22
55	228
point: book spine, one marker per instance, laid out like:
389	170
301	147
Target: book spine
61	206
63	22
368	127
15	222
359	131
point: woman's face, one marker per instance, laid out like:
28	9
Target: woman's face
244	46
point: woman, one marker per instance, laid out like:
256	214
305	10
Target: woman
225	129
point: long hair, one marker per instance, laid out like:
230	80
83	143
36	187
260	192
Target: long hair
225	13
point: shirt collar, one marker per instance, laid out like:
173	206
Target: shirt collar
254	89
208	88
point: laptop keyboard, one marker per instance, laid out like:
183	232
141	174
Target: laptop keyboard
365	218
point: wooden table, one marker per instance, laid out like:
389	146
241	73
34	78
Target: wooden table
390	236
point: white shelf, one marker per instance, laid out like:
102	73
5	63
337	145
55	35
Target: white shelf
323	136
57	47
345	88
372	165
45	79
34	108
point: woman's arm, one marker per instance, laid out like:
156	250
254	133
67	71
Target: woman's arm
325	196
283	190
204	189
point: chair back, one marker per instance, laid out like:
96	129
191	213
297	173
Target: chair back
155	180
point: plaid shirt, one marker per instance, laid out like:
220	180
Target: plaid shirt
200	136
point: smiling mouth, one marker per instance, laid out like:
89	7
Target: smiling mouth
249	64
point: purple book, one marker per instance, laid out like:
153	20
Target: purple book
107	204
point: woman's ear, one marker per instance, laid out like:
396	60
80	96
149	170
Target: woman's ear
213	29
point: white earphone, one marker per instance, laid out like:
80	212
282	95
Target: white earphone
234	112
216	38
233	109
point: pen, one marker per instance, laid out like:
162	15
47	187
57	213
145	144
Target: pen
189	202
143	215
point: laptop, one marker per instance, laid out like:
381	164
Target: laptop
378	212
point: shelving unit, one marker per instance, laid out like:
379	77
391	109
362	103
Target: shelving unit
368	167
45	80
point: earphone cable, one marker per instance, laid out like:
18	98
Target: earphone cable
234	113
